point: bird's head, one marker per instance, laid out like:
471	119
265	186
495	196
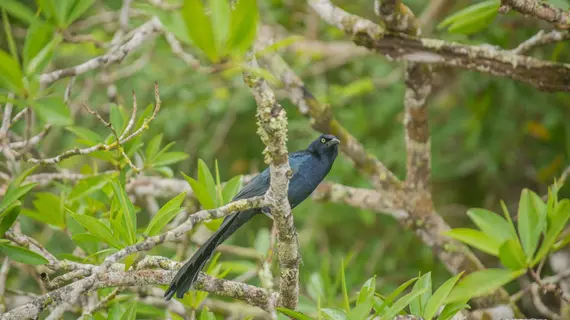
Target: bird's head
325	146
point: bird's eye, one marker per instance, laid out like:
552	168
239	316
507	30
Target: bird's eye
323	140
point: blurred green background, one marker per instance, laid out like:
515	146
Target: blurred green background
490	136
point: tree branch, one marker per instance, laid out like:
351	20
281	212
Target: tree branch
544	75
272	128
538	9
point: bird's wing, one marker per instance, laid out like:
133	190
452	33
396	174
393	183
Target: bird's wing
256	187
260	183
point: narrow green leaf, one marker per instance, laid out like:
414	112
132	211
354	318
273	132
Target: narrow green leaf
344	290
492	224
388	301
22	255
528	220
13	195
243	28
131	312
38	35
88	186
84	133
294	314
367	291
334	314
53	110
559	219
10	38
206	314
48	9
199	28
8	218
262	241
438	297
401	304
472	18
48	209
417	304
170	158
451	309
476	239
96	228
165	214
512	255
231	188
19	10
10	72
220	23
480	283
78	9
206	179
153	147
200	192
129	215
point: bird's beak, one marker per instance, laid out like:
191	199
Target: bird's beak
333	142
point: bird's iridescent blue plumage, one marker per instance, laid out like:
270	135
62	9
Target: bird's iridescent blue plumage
309	168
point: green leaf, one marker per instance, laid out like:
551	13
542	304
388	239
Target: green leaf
165	214
451	309
49	209
417	305
78	8
315	286
367	291
22	255
364	301
492	225
220	23
96	228
8	218
117	119
559	218
243	28
294	314
388	301
88	186
529	223
199	28
231	188
153	147
206	179
170	158
53	110
88	242
129	215
438	297
48	9
480	283
206	314
476	239
131	312
512	255
10	38
334	314
41	60
471	19
200	192
10	73
38	35
19	10
401	304
344	290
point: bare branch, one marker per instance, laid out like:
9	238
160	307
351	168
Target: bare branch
538	9
540	39
6	117
26	143
272	128
544	75
105	147
140	35
250	294
3	277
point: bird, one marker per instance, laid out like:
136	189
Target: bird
309	168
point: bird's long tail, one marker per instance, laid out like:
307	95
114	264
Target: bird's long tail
188	274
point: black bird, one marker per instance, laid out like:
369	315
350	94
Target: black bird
309	168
